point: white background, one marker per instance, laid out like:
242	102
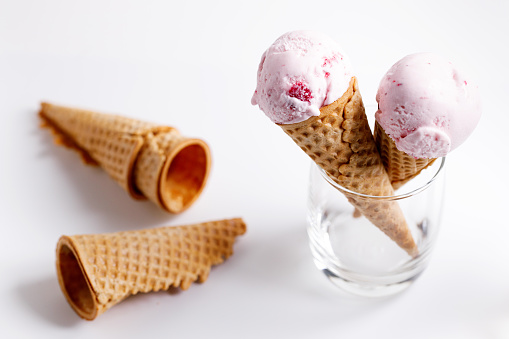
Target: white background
192	65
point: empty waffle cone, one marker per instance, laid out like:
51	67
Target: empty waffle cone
340	141
147	160
97	271
400	166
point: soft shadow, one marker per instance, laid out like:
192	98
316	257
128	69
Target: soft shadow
44	298
97	192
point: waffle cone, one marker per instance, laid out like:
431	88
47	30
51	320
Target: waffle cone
97	271
400	166
340	141
147	160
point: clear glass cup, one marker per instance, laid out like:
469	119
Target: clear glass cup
357	256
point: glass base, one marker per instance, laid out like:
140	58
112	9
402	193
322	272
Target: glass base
381	271
368	290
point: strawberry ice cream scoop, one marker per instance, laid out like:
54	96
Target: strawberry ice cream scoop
427	106
301	72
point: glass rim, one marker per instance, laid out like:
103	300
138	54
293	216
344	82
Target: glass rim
382	197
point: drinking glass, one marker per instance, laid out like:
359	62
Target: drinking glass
357	256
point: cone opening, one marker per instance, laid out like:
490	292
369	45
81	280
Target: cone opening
74	283
184	176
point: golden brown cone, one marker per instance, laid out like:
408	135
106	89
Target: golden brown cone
147	160
400	166
97	271
340	141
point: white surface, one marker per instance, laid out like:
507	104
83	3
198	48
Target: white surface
192	65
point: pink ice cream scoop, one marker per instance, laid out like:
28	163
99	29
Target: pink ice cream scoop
301	72
427	106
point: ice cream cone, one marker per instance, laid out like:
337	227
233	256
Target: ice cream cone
147	160
97	271
340	141
400	166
